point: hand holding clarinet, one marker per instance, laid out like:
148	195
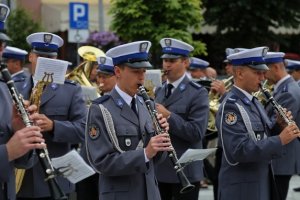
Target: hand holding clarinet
290	129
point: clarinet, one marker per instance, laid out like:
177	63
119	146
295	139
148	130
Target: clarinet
50	173
275	105
186	185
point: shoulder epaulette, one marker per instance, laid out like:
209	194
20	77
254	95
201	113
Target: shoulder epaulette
70	82
101	99
232	99
20	79
195	85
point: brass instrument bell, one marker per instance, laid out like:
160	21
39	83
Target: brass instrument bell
89	54
82	72
214	105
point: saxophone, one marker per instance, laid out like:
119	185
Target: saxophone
43	155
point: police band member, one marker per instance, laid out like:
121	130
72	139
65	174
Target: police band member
16	142
4	12
61	117
218	86
123	152
185	104
106	79
15	59
293	68
287	94
197	68
244	130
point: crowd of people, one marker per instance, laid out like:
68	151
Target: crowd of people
257	141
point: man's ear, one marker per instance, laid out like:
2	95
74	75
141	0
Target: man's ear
117	70
31	57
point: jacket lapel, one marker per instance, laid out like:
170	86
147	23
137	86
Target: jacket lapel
27	88
142	119
177	93
283	86
244	99
48	93
125	111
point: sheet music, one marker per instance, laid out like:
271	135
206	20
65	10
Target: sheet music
191	155
153	78
72	166
51	70
89	93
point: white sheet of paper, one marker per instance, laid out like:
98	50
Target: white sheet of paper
153	78
73	167
47	67
89	93
191	155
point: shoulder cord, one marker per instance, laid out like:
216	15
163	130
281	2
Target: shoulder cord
110	128
111	133
247	122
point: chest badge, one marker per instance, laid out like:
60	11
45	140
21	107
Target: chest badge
128	142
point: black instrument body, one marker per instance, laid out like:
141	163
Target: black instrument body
43	155
186	185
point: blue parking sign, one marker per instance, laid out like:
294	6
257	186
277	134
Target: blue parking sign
79	15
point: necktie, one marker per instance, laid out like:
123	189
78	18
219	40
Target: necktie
169	90
133	106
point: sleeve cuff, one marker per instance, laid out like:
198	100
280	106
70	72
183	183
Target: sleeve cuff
146	159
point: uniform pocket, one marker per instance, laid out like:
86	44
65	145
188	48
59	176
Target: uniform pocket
115	184
244	190
56	111
128	137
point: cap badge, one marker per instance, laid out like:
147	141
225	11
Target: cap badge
230	118
3	13
265	51
102	60
168	42
48	38
143	47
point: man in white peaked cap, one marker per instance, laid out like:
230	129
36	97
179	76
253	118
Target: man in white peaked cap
245	133
287	94
185	104
123	152
16	140
61	117
15	59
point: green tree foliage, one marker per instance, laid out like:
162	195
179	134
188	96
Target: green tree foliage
153	20
247	23
19	26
